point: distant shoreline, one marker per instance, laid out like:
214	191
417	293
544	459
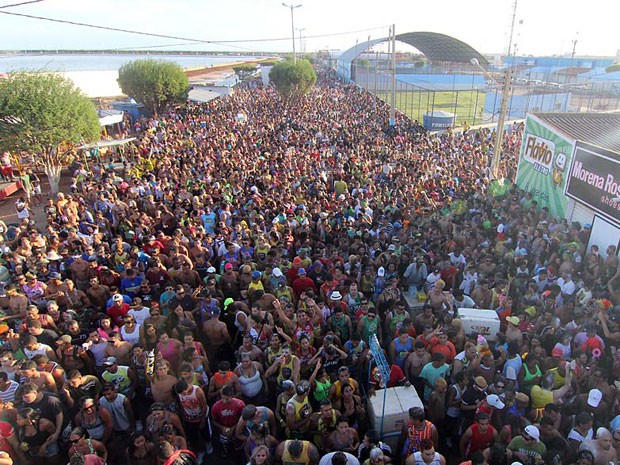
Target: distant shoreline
137	52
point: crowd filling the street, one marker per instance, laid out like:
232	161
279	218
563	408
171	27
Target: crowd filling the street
217	297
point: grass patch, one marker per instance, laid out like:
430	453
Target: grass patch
416	103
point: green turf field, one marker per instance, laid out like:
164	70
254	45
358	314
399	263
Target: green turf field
415	104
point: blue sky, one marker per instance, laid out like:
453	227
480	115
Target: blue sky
548	26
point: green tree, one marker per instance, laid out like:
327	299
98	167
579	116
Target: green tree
154	83
43	113
612	68
293	79
244	70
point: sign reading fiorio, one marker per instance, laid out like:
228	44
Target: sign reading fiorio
539	152
595	179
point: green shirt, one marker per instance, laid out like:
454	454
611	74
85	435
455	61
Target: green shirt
535	451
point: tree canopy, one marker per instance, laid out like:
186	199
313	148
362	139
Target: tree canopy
39	112
245	70
154	83
293	79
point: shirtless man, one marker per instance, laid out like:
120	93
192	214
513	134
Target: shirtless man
45	381
482	295
416	360
118	348
187	276
217	335
80	272
98	294
162	383
601	447
76	299
18	302
55	288
438	298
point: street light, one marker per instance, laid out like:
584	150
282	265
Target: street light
497	149
300	30
292	7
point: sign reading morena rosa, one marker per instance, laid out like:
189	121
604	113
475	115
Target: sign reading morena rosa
595	179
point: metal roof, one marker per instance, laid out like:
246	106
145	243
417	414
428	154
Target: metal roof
600	129
435	46
440	47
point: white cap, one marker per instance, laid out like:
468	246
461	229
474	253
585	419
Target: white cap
381	271
500	228
533	432
117	297
494	401
277	272
336	295
594	398
210	270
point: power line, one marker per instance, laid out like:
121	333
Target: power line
166	36
20	4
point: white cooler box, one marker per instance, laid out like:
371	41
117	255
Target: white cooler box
484	322
398	401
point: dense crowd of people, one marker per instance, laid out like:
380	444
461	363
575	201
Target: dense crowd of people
219	297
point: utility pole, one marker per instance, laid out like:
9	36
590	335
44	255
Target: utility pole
292	7
300	30
572	56
512	27
393	105
368	64
499	136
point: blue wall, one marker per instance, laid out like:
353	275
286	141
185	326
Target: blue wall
563	62
520	105
444	81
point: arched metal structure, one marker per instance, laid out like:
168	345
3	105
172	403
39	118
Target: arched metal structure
435	46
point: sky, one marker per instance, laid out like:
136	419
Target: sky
542	27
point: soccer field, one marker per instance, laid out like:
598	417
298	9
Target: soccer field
416	103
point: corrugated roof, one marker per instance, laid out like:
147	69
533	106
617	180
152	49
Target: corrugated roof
601	129
440	47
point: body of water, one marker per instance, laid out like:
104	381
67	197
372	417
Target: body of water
107	62
96	75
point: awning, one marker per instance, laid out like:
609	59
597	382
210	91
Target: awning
107	143
109	117
202	95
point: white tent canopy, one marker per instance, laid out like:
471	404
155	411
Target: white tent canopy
109	117
200	95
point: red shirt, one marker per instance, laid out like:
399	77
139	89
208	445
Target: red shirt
229	414
448	350
6	431
302	284
117	313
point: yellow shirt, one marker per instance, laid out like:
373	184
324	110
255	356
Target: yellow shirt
541	397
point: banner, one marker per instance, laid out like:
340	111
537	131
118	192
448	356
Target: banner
595	180
543	165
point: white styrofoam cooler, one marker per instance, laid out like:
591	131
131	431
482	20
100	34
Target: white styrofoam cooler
398	401
479	321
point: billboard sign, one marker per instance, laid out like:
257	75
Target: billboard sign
543	163
594	180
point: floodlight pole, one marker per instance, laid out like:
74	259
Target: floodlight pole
501	120
300	30
292	7
393	105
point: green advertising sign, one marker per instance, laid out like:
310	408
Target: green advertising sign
543	166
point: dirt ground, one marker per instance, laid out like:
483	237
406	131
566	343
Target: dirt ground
8	214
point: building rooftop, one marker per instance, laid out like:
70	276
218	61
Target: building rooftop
600	129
